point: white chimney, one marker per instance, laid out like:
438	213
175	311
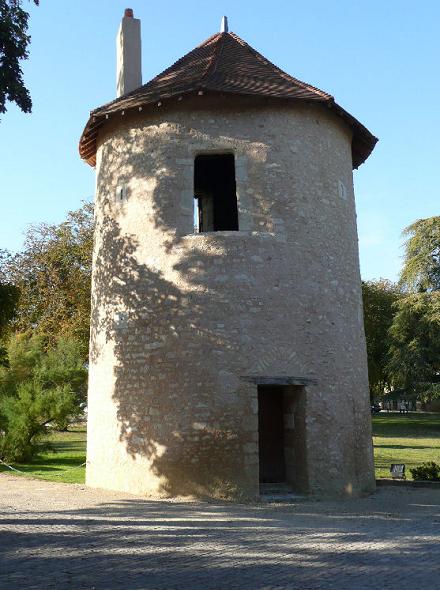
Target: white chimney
128	54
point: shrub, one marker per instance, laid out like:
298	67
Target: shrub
429	471
38	388
27	415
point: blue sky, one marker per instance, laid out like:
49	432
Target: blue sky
379	59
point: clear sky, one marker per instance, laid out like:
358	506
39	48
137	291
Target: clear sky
380	59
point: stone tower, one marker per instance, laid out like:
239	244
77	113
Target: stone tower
227	343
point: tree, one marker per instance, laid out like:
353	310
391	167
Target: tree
414	357
8	306
421	268
53	275
39	387
8	297
379	298
415	344
14	43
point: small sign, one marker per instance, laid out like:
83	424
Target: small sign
397	470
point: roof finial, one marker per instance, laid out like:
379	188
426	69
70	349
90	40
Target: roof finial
224	26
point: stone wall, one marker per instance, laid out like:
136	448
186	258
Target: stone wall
178	318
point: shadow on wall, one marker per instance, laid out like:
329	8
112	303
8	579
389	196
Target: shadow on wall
174	409
163	388
152	410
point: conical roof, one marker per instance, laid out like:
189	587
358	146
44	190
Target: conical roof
225	64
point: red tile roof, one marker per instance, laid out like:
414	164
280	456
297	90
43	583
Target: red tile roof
225	64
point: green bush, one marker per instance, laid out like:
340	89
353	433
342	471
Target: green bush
429	471
39	388
28	414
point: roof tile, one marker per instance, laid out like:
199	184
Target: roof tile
227	64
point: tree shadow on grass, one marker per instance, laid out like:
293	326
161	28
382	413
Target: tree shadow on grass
59	461
62	447
407	446
49	465
402	426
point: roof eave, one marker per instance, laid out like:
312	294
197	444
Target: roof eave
363	140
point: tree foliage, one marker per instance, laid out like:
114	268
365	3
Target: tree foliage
53	275
379	298
402	324
8	306
414	357
421	268
39	387
47	309
14	43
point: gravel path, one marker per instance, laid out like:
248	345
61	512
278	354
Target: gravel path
67	536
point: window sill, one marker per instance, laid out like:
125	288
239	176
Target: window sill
229	233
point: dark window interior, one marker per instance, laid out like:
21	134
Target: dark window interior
215	192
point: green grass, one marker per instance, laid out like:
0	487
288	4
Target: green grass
405	438
410	438
60	463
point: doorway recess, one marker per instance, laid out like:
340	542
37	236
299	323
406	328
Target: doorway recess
282	445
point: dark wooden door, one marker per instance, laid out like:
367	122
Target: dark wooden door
271	434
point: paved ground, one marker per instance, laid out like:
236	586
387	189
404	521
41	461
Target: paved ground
66	536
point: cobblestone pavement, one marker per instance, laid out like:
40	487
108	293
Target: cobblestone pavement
67	536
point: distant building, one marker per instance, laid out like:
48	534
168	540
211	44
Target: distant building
232	356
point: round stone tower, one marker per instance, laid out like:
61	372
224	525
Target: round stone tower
227	345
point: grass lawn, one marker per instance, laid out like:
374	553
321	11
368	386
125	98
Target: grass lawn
60	463
405	438
398	438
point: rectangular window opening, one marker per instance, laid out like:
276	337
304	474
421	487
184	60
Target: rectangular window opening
215	193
